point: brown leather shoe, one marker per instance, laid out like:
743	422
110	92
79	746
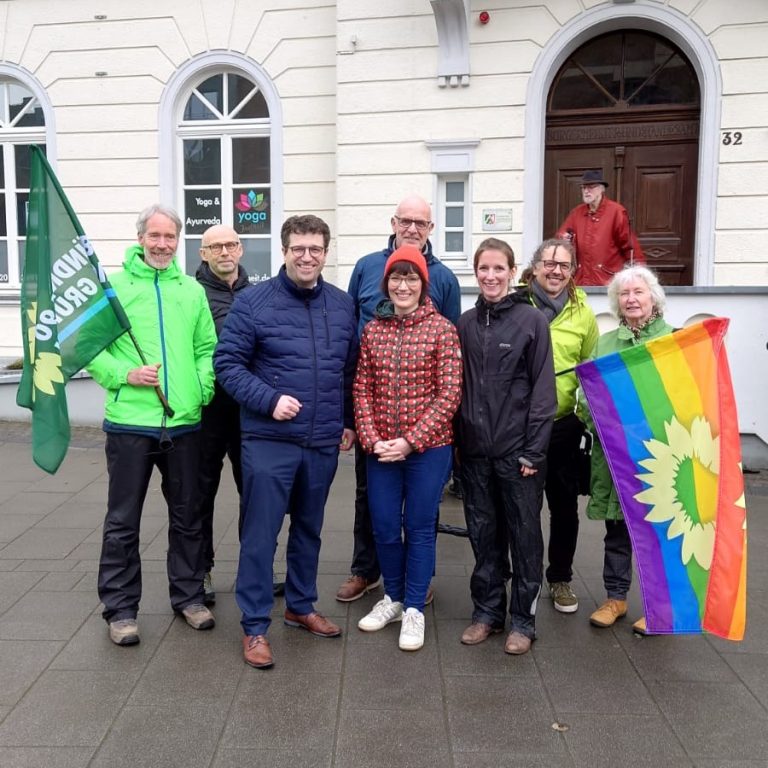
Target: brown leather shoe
430	595
313	622
356	587
517	644
477	632
256	651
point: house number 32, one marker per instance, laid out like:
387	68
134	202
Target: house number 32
731	137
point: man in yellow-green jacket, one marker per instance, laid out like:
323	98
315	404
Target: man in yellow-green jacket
172	324
573	329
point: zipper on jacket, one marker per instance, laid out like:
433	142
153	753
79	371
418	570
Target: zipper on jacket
314	370
162	330
398	348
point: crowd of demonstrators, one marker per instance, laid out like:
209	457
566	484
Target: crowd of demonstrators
406	392
287	355
174	329
301	364
601	233
637	299
411	225
504	423
222	277
573	329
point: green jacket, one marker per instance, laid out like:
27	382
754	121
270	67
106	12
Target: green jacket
574	335
603	500
172	322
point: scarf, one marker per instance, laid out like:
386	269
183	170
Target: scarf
551	306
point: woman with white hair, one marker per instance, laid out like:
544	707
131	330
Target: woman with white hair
637	299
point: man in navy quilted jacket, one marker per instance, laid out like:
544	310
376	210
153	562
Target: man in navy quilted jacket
287	354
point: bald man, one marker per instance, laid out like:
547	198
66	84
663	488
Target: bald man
222	276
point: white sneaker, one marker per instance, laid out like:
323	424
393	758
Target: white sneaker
412	631
384	612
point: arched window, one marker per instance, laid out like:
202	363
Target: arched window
22	123
223	135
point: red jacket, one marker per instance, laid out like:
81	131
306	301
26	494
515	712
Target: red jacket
603	241
408	381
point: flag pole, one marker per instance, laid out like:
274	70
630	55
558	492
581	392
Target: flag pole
169	412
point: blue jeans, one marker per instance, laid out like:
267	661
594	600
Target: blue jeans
404	497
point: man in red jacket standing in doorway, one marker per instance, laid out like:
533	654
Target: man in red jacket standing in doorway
601	234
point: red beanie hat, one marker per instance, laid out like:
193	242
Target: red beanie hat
412	255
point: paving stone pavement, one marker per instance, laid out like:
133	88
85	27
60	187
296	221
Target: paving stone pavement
583	697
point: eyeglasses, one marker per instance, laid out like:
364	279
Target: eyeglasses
218	248
420	224
410	280
550	266
299	250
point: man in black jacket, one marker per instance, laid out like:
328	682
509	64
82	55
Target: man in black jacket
222	277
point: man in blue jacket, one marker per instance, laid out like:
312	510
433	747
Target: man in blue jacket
411	225
287	354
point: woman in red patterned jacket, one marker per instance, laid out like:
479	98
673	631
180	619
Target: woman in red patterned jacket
407	389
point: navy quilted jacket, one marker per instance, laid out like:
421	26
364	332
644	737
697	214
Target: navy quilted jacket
279	339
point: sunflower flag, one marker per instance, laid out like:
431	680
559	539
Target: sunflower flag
666	418
69	312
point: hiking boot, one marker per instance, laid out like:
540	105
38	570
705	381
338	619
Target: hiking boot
384	612
563	597
517	644
608	612
124	632
209	593
198	616
412	631
356	587
477	632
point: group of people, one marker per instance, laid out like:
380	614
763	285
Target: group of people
283	374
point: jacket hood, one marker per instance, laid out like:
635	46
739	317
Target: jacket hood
135	265
206	276
385	310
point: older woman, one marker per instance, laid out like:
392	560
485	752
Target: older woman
406	391
504	424
638	300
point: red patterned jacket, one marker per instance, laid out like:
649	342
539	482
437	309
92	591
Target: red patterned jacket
408	381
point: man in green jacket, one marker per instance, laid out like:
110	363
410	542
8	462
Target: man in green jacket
172	324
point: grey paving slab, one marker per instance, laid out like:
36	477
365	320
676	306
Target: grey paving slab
635	741
714	719
752	669
74	709
46	615
43	564
21	663
45	543
509	713
36	757
16	585
283	711
275	758
91	649
514	759
32	502
75	515
12	526
171	737
59	582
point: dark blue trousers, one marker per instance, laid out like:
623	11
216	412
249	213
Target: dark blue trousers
404	497
281	478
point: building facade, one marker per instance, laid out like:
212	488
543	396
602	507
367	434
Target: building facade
246	111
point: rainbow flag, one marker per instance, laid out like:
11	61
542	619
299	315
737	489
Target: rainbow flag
666	418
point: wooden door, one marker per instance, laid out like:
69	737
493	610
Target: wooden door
657	186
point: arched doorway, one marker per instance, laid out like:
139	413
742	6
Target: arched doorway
628	102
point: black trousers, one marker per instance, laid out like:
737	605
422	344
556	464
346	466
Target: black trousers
365	561
562	490
130	461
220	437
503	513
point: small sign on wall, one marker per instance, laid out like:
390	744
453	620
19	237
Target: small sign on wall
497	219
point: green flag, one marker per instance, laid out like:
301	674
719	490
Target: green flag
69	312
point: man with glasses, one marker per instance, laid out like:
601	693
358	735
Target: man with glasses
287	355
411	225
172	324
573	330
601	234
